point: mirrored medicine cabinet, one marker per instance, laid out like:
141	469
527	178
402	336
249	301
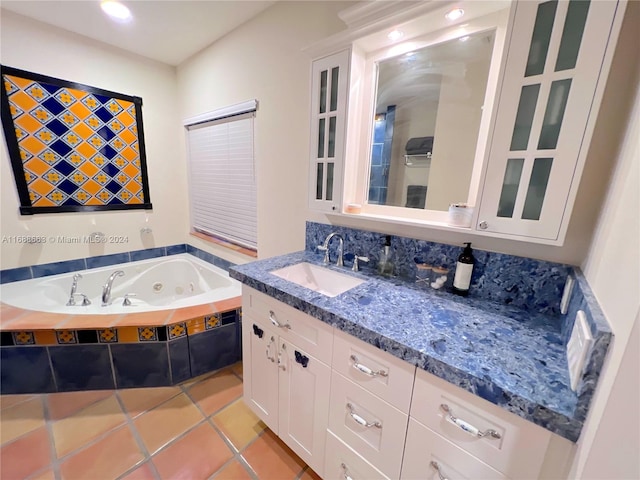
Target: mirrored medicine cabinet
402	129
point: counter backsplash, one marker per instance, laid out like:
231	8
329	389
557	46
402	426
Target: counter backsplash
529	284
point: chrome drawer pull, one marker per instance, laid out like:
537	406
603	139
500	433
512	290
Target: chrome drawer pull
366	370
346	472
361	421
272	317
437	467
467	427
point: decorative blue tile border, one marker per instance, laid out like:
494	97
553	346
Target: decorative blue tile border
66	266
525	283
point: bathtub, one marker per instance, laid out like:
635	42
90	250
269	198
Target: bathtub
161	283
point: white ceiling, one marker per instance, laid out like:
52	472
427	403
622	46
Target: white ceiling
169	31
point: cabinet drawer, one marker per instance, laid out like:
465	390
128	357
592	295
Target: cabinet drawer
428	456
377	371
521	448
342	462
310	334
381	440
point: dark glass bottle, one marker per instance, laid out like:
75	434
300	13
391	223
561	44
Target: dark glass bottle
464	269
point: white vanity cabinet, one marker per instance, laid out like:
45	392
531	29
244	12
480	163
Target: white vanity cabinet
329	99
547	106
286	373
351	410
464	436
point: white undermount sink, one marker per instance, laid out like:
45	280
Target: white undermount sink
318	279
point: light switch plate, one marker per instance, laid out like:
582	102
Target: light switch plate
566	295
578	348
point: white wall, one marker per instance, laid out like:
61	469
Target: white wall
610	442
263	59
39	48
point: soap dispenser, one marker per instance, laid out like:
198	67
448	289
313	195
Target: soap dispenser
464	269
385	264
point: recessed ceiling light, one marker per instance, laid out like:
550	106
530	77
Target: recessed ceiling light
395	35
116	10
454	14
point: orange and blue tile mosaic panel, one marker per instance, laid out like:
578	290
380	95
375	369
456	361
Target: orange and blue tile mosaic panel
73	147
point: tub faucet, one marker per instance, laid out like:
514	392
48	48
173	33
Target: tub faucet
325	248
73	294
106	288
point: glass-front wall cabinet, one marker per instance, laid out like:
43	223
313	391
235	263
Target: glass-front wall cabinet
492	109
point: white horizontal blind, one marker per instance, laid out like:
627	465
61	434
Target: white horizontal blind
222	179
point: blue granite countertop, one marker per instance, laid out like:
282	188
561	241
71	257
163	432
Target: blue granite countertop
511	358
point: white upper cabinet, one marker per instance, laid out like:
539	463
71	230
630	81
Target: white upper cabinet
494	109
547	99
329	84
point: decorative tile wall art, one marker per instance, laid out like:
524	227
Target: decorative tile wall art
73	147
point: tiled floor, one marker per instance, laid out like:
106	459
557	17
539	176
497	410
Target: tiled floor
200	429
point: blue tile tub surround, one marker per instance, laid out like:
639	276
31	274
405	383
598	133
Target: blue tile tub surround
532	285
36	271
14	361
81	367
509	356
213	349
141	365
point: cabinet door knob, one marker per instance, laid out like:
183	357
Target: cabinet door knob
467	427
269	356
346	472
437	467
483	225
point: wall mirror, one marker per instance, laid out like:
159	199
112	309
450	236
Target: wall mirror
421	110
428	108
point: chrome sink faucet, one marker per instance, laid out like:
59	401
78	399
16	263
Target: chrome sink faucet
73	294
325	248
106	288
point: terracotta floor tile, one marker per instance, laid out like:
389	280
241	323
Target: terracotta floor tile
45	475
108	458
144	319
7	401
161	425
187	313
86	425
21	418
217	391
63	404
309	474
237	369
199	454
27	455
239	424
189	383
37	320
143	472
233	471
271	459
91	321
139	400
9	313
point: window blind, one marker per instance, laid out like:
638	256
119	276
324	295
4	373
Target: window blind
222	178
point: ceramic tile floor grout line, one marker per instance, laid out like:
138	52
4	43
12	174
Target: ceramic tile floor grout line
139	442
55	463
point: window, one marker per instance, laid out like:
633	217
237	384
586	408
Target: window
222	178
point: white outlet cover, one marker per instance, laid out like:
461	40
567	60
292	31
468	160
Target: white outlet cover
578	348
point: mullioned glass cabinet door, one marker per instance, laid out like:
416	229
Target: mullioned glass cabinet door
329	89
554	63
